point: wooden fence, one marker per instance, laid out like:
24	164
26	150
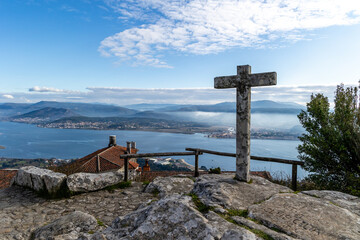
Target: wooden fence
198	151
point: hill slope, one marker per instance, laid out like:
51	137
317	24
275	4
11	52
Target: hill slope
44	115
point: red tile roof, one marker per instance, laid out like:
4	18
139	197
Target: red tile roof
5	177
102	160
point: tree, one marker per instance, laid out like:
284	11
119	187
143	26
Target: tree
330	147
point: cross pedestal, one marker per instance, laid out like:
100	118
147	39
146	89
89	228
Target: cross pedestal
243	82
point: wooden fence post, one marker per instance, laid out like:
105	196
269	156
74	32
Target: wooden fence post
126	169
126	162
294	177
196	163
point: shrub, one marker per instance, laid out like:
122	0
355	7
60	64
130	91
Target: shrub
215	170
331	147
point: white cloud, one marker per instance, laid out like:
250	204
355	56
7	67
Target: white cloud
8	96
45	89
127	96
209	26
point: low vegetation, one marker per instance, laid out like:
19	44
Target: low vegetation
203	208
120	185
330	147
215	170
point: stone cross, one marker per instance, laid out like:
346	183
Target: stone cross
243	82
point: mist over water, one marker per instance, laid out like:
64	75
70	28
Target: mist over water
258	120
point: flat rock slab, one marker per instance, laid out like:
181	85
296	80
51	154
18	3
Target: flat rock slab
306	217
39	179
343	200
67	227
224	191
170	185
87	182
252	225
173	217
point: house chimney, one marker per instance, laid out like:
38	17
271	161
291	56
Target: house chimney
112	140
128	147
133	145
146	168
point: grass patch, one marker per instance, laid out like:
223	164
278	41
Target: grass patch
237	212
250	182
261	234
244	213
100	223
146	182
199	205
155	192
91	232
192	178
120	185
335	204
151	202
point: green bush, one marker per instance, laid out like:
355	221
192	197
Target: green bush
331	147
215	170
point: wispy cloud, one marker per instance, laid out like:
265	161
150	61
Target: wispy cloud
127	96
8	96
211	26
46	89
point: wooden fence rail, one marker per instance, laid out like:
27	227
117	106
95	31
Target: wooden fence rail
198	151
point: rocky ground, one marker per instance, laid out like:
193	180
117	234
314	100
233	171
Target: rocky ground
212	207
22	211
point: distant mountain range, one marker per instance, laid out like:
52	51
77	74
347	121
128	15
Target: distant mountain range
47	111
83	109
264	106
145	117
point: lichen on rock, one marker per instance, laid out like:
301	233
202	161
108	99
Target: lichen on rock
87	182
68	227
170	185
43	181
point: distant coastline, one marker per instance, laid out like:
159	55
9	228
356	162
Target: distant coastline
210	132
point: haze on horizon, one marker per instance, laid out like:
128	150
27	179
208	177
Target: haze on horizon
128	52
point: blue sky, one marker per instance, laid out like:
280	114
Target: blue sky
129	51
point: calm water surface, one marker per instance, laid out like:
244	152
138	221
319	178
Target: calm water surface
29	141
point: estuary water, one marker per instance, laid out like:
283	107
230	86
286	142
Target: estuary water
28	141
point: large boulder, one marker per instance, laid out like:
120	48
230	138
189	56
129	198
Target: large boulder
69	227
87	182
222	190
170	185
173	217
306	217
41	180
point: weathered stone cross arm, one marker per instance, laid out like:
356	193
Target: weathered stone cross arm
244	77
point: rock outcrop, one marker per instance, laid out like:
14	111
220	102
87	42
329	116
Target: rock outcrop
68	227
173	217
87	182
170	185
340	199
306	217
217	207
41	180
221	190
